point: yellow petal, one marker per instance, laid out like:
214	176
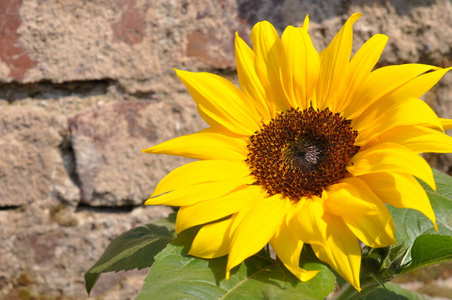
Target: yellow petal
351	197
264	36
221	103
301	67
400	190
200	172
306	221
341	250
205	144
215	209
288	248
410	111
447	123
306	22
255	228
414	88
249	71
416	138
269	52
334	61
360	67
189	195
381	82
212	240
373	230
388	157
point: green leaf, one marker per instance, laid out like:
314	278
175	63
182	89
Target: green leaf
168	222
135	248
392	292
416	232
430	249
175	275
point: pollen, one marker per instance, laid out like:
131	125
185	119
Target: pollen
301	153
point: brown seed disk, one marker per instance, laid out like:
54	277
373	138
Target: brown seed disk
300	153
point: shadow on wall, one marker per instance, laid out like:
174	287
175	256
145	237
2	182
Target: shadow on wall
46	90
276	11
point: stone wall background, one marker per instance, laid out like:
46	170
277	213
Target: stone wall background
85	85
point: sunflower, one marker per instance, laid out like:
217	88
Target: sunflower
308	151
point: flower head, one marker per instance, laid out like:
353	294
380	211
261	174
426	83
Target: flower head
308	150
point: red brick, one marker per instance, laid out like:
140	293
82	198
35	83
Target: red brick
11	51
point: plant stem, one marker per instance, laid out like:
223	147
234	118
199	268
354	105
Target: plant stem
348	292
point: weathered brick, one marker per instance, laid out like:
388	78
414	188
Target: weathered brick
12	53
107	143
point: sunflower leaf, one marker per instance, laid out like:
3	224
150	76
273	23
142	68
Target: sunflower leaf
425	245
175	275
134	249
430	249
392	291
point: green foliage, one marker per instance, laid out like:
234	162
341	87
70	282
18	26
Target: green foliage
175	275
393	292
424	245
430	249
418	243
135	248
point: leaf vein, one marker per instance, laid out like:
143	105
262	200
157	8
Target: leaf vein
248	278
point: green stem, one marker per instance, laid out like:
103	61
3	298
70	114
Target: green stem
348	292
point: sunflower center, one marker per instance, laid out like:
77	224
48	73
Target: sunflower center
300	153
